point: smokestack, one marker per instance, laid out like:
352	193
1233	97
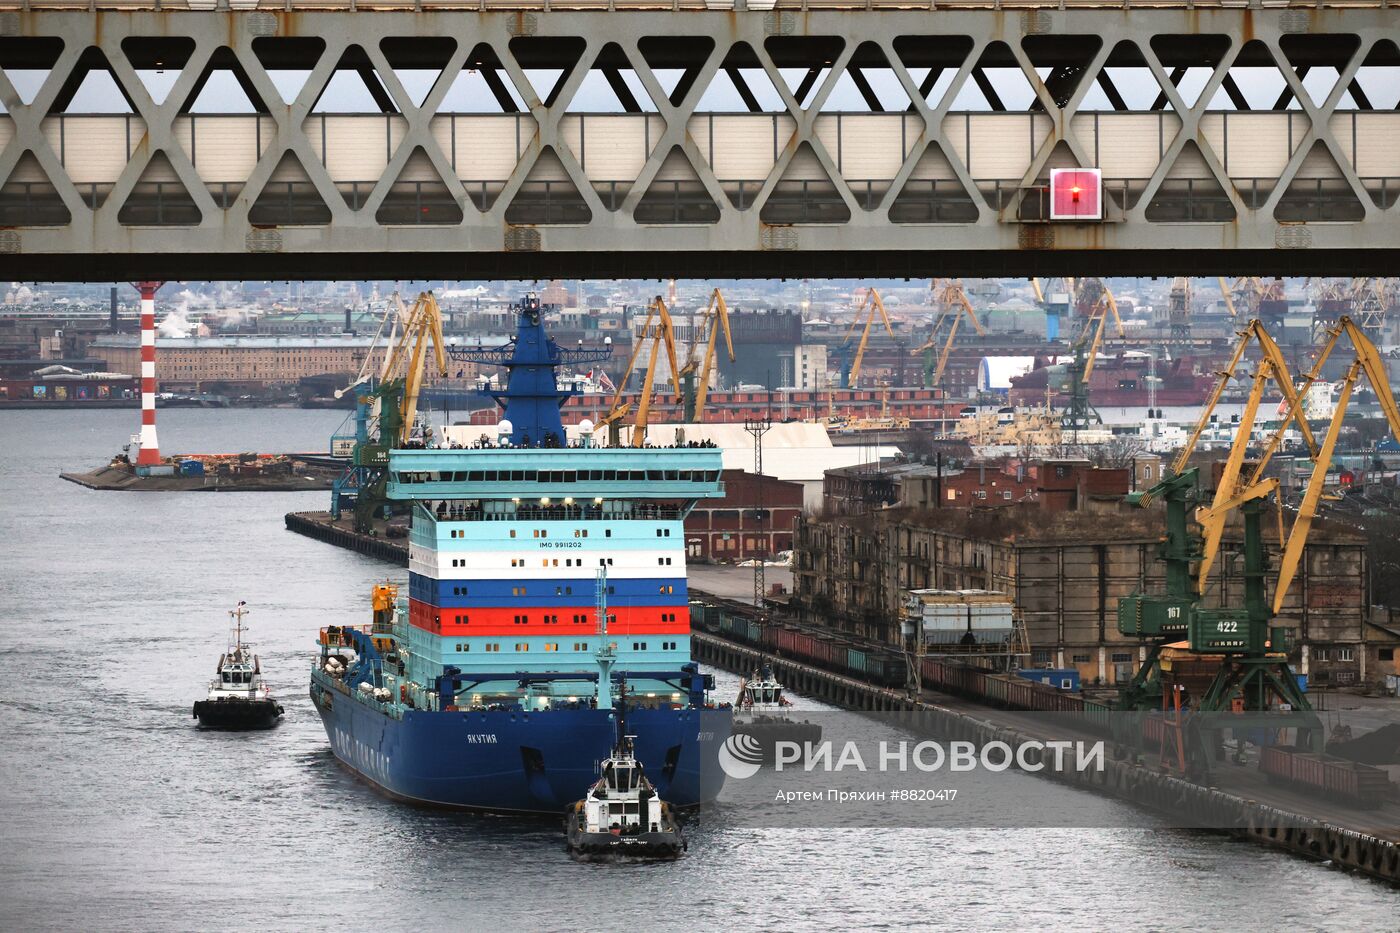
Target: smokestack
348	329
112	320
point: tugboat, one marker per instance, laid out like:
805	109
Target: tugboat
238	698
622	816
765	714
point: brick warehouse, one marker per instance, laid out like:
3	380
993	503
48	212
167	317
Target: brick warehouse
729	530
1065	571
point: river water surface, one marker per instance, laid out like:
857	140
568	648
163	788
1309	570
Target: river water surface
116	813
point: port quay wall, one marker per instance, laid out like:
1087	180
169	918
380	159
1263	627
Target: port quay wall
1250	819
1258	822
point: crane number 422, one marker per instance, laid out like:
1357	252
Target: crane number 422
1227	626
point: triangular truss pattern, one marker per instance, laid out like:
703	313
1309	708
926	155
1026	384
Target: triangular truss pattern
675	62
28	61
419	196
158	61
1253	82
804	62
1180	56
482	86
805	194
1319	191
288	61
1377	82
159	198
547	63
29	199
1190	192
418	63
1304	54
1124	83
741	86
224	87
997	83
867	85
548	195
677	195
1061	61
611	85
289	198
92	87
933	194
933	62
354	87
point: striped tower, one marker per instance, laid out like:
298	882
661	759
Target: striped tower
150	447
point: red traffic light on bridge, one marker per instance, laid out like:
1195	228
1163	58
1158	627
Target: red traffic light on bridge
1076	194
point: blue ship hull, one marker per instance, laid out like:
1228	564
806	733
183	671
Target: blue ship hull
516	761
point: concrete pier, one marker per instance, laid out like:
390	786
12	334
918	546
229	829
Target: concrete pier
1336	836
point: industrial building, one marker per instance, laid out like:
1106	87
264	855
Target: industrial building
1066	554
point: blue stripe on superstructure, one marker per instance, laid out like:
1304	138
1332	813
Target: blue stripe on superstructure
570	591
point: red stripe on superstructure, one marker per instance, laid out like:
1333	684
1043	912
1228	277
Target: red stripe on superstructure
625	621
148	416
148	384
148	321
148	354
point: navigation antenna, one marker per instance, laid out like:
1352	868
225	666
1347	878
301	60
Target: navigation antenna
237	615
759	427
605	656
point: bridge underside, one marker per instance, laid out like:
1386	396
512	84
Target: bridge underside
653	264
1231	141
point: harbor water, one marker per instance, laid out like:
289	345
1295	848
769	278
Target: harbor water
116	812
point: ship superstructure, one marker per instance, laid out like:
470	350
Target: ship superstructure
544	578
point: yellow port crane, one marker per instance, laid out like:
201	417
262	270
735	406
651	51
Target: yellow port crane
657	330
870	305
1229	494
421	324
715	318
1368	360
1246	293
951	298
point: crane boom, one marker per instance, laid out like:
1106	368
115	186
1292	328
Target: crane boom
716	316
873	303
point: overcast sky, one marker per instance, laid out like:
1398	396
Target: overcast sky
346	93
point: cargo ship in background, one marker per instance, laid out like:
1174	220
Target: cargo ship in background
546	586
1131	379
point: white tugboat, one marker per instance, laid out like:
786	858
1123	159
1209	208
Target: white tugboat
765	714
238	697
622	816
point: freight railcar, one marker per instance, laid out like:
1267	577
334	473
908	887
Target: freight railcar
1345	781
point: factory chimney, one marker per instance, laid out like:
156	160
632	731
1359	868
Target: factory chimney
348	328
112	318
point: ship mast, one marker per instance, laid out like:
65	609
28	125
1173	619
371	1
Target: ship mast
237	615
605	655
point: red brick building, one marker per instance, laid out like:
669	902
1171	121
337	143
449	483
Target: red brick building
732	529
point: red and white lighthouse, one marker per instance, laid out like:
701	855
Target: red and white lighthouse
150	447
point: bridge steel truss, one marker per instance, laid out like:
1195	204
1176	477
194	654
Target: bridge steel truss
995	236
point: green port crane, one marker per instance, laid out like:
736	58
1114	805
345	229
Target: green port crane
387	406
1254	678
